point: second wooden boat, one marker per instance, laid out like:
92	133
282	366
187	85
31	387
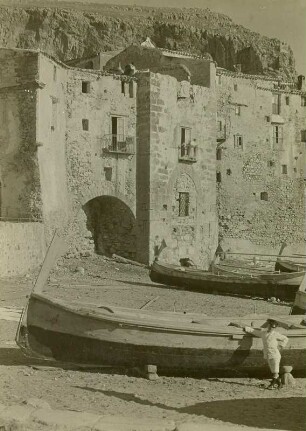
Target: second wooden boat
266	285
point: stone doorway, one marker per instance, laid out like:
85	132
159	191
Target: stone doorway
113	226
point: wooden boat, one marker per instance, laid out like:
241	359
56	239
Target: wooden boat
99	335
174	342
284	265
299	305
266	285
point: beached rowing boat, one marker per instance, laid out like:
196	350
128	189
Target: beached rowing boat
174	342
284	265
103	335
299	305
223	281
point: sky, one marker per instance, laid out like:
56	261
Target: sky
283	19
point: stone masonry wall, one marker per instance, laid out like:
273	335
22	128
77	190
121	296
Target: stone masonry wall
195	235
257	166
19	172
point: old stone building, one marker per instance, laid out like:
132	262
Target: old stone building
260	155
130	160
158	154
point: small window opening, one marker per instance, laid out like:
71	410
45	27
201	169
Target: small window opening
287	100
85	124
303	135
268	119
183	204
235	87
54	73
220	126
271	163
237	110
122	87
219	154
294	170
108	173
85	87
284	169
238	141
303	100
229	172
218	177
264	196
131	89
219	79
276	103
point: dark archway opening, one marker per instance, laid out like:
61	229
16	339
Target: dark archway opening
113	226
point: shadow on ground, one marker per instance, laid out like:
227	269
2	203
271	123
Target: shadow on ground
273	413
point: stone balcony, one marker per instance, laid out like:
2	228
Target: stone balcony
118	144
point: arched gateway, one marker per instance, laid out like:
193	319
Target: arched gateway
112	225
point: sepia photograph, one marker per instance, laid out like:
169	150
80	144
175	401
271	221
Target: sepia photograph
152	215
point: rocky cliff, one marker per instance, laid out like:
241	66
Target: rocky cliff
72	30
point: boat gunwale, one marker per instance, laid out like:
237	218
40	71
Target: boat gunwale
188	328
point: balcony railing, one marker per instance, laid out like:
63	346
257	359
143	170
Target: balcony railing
188	152
119	144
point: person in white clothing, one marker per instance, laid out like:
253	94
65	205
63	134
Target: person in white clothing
272	342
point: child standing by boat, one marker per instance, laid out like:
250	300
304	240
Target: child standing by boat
272	341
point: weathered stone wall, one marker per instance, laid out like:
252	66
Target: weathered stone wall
22	247
194	235
164	62
256	166
20	191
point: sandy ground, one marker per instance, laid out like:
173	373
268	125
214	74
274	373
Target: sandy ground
235	400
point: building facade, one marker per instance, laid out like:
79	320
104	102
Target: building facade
126	162
260	155
176	155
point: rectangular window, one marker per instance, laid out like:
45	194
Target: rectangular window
219	79
271	163
264	196
303	100
303	135
277	135
235	87
219	154
220	126
287	100
268	119
218	177
284	169
237	110
183	204
85	124
118	137
275	103
185	141
54	73
122	87
131	89
238	141
85	87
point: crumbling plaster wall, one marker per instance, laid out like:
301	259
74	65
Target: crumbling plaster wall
18	151
195	235
22	247
51	137
91	171
257	166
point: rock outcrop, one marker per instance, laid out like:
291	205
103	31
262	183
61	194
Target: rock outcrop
72	30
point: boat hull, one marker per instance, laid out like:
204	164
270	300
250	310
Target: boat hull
175	345
288	266
265	286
